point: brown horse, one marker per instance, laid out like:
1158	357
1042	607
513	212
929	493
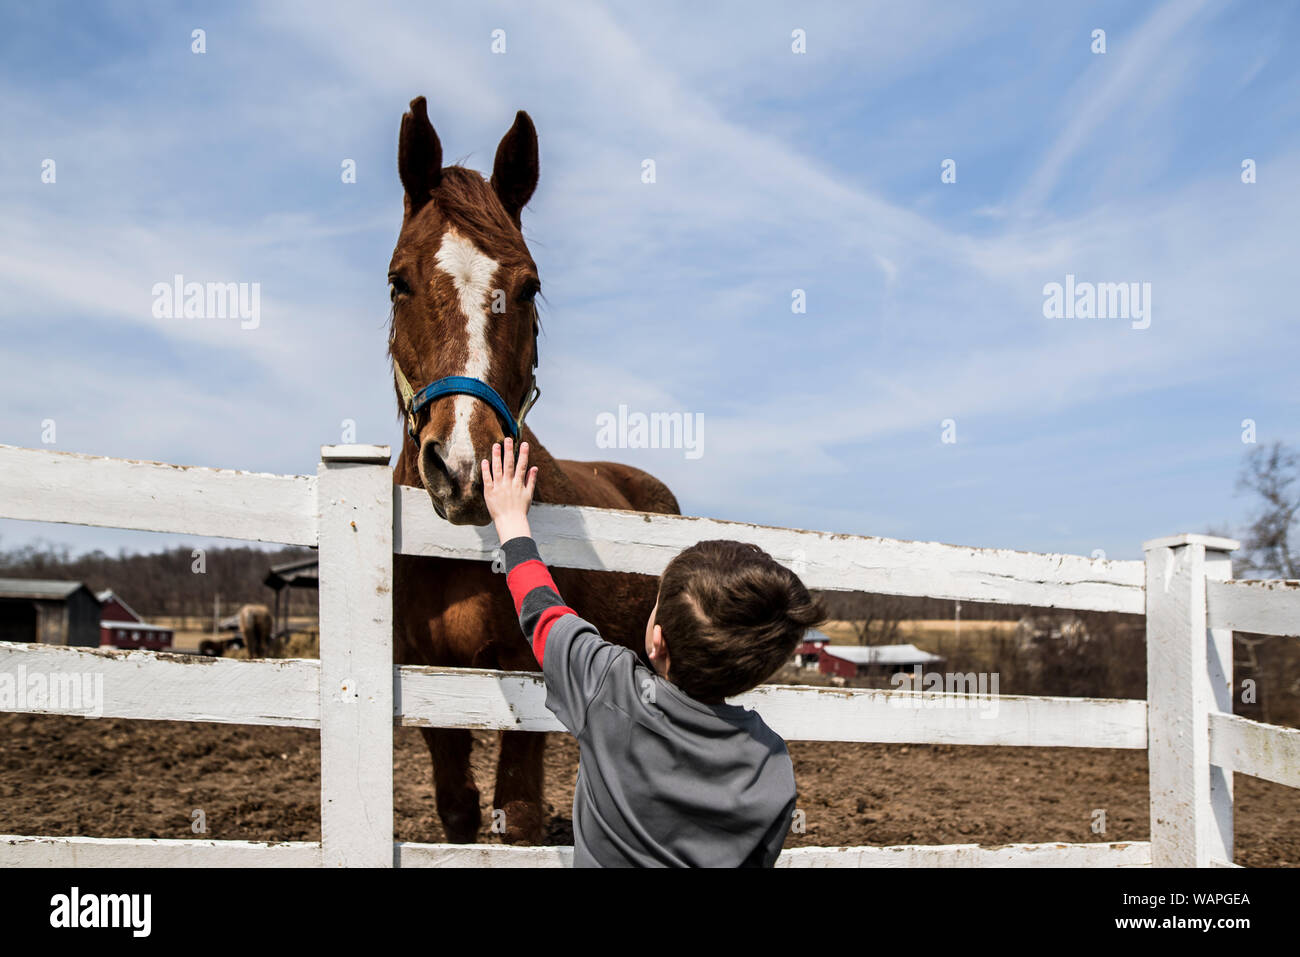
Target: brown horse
462	284
255	629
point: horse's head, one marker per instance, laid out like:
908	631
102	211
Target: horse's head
464	327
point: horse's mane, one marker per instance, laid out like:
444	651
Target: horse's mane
471	204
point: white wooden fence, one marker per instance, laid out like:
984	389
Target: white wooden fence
354	694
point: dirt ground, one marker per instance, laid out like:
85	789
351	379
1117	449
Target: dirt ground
116	778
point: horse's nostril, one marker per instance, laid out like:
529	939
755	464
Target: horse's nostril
455	479
433	465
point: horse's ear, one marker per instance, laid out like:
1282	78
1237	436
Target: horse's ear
419	156
514	174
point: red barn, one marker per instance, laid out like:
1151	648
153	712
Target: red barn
113	608
121	627
808	654
852	661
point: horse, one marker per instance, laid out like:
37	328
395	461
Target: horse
462	284
255	629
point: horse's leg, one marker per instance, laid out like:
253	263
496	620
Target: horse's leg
454	790
519	786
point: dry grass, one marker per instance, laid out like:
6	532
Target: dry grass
926	634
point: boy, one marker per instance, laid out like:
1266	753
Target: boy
670	774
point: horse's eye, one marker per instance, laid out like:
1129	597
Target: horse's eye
529	290
397	287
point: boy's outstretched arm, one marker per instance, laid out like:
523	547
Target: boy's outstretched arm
537	602
508	492
578	658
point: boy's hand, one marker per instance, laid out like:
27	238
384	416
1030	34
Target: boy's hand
508	490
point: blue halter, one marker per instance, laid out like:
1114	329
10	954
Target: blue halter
416	402
464	385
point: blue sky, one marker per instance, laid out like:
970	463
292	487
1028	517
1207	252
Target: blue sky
775	172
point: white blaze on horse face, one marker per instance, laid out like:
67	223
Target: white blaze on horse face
471	272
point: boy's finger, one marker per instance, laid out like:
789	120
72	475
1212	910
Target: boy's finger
510	458
496	460
487	474
522	471
532	482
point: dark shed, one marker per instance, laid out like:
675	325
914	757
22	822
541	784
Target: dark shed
48	612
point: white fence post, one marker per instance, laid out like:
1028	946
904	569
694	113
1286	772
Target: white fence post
355	507
1189	675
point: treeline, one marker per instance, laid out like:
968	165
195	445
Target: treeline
171	583
860	606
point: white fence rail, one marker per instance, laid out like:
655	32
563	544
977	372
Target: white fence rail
160	686
127	852
354	694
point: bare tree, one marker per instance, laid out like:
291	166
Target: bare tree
881	616
875	618
1271	473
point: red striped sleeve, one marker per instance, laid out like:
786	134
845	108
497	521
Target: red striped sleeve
548	618
526	576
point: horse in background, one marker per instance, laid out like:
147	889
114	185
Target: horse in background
462	285
255	629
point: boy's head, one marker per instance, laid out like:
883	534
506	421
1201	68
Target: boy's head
728	616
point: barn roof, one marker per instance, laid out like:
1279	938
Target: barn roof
881	654
303	573
108	595
132	625
46	588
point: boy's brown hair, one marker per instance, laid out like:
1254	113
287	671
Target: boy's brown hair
731	616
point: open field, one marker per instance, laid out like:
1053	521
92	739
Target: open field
924	629
975	640
115	778
188	639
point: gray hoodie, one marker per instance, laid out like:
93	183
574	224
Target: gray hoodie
663	780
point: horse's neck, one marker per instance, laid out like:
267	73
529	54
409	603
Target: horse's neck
553	485
405	471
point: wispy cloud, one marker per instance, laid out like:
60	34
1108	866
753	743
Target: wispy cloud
1133	64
